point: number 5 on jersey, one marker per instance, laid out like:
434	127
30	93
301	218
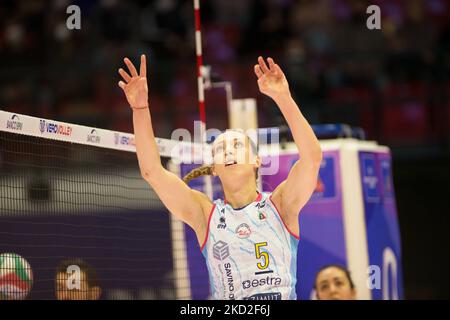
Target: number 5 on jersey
261	255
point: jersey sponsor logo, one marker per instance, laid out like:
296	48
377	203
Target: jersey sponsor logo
93	137
55	128
221	251
243	231
230	280
261	216
261	282
264	296
261	204
14	123
222	224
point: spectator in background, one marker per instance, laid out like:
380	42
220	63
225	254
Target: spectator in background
333	282
88	288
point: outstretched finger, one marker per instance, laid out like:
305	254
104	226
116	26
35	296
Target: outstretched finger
122	84
271	64
258	71
143	69
124	75
278	69
131	67
262	65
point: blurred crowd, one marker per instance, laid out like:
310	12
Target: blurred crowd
393	82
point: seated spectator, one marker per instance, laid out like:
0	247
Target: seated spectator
69	287
333	282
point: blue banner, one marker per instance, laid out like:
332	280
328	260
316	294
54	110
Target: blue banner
383	235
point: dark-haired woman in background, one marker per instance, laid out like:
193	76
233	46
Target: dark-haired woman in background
333	282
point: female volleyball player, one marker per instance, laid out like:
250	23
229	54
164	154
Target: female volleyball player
250	239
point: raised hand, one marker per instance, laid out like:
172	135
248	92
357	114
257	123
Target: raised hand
135	86
271	80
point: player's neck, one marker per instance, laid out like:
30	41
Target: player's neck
242	197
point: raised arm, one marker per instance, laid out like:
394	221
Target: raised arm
293	193
186	204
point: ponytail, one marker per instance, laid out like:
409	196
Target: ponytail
204	171
198	172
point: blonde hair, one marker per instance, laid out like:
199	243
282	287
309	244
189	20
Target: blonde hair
198	172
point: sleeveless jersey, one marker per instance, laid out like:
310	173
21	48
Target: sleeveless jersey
250	253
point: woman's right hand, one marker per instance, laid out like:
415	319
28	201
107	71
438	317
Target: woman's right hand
135	86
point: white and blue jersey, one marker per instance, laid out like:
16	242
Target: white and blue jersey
250	253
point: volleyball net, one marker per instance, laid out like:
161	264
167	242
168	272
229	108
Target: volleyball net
74	195
78	221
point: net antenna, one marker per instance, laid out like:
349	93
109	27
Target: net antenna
201	93
181	268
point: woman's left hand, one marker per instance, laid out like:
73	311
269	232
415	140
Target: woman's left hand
271	80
